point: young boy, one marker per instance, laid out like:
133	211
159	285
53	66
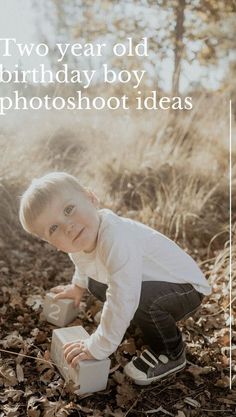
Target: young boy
140	274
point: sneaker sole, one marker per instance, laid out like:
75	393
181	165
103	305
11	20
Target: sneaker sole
157	378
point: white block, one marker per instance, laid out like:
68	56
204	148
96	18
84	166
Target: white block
89	375
59	312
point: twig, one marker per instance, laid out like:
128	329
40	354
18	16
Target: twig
143	392
215	411
156	410
152	388
37	359
222	310
194	394
132	406
27	356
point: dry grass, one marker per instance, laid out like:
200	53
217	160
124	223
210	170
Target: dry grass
171	173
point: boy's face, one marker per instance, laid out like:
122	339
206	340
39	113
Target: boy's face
70	222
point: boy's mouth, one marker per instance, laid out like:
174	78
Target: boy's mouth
78	235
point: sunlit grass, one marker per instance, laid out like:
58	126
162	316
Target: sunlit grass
169	171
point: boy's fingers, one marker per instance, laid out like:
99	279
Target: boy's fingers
62	295
70	344
68	347
69	356
74	362
58	289
67	294
81	357
77	302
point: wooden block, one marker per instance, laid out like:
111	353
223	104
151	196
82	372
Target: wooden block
59	312
88	376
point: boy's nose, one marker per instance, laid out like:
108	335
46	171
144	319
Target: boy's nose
69	229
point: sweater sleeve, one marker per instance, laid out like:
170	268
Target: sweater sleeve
121	257
80	279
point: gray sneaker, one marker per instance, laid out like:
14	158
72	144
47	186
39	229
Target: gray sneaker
149	367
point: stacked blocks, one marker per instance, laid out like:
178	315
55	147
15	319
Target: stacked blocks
88	375
59	312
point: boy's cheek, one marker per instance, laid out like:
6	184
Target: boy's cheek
62	248
54	243
50	243
58	244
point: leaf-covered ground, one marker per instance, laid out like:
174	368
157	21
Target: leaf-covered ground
31	385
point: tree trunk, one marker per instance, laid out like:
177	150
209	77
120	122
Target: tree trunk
179	46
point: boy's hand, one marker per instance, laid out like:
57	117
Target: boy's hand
75	352
68	291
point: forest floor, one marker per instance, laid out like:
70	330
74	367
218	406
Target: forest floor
32	387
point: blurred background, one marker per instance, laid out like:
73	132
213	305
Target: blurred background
167	169
191	43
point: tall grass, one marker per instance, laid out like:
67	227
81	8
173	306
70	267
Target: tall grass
169	171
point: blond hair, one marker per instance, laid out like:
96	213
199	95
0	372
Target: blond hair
40	193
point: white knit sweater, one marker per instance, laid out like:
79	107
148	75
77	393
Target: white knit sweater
127	253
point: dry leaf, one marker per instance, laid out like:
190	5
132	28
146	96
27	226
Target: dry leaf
128	346
199	370
118	377
35	302
47	355
226	401
223	382
11	393
7	375
33	406
55	409
16	300
19	373
180	414
11	411
126	395
192	402
160	409
13	340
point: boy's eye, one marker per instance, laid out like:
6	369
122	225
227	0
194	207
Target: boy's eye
52	229
68	209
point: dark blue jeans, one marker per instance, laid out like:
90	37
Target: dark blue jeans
161	305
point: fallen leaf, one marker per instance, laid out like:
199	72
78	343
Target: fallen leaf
192	402
226	401
180	414
7	375
19	373
126	395
223	382
11	393
160	409
118	377
128	346
16	300
54	409
35	302
13	340
196	370
11	411
33	405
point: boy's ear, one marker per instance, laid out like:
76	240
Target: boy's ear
92	197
